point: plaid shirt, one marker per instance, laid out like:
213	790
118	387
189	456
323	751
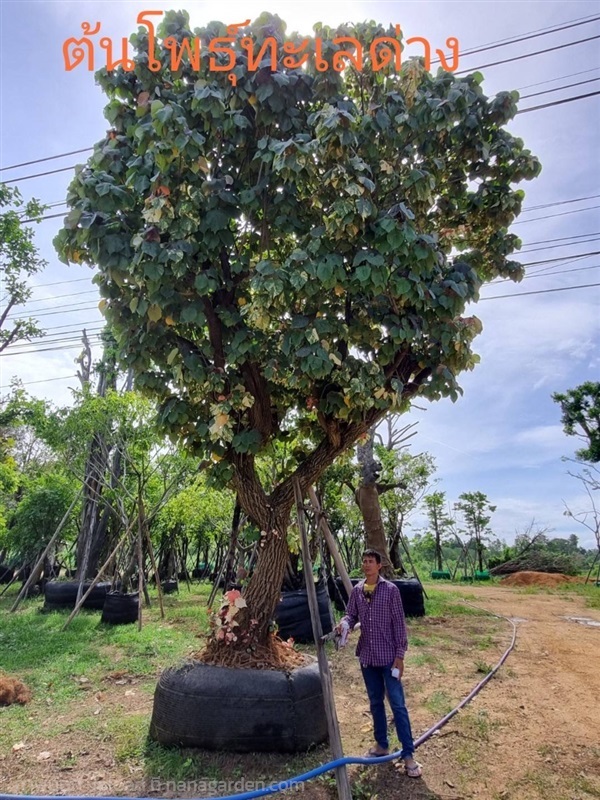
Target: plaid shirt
382	625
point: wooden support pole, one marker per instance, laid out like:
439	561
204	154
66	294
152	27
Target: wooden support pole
335	739
331	543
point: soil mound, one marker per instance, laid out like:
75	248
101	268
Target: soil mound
526	578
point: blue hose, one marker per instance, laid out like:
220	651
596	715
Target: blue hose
330	765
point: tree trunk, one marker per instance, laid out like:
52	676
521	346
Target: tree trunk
367	498
229	574
88	548
264	590
92	535
438	544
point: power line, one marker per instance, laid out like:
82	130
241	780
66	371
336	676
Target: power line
529	55
544	274
562	238
47	158
80	325
555	247
562	259
45	205
552	216
45	380
560	263
560	78
541	291
66	309
61	296
536	34
93	340
559	88
58	283
40	219
560	202
57	338
558	102
40	174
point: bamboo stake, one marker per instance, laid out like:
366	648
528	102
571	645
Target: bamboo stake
34	572
156	575
412	563
331	543
140	547
335	739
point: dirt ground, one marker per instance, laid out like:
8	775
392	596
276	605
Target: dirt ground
533	732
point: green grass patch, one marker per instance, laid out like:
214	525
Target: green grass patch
420	659
129	735
483	667
589	592
60	667
439	703
448	604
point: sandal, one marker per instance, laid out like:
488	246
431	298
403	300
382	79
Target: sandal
376	752
413	771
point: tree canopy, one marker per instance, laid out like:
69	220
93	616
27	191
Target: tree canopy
581	417
19	260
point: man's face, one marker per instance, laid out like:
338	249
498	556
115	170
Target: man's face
370	568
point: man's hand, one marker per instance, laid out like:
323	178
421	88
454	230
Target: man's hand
399	665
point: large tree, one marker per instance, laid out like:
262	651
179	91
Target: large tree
292	250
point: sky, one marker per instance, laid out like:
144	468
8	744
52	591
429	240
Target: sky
503	436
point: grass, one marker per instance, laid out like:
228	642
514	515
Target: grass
482	667
588	591
420	659
59	666
439	703
440	603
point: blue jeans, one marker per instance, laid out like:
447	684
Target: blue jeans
377	681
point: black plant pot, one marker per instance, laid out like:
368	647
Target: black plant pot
6	574
239	710
292	615
63	594
121	609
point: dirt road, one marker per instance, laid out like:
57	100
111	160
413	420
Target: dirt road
542	715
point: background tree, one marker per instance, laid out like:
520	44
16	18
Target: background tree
440	523
477	512
281	254
407	477
581	417
19	260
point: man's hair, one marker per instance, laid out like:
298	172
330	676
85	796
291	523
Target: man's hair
373	554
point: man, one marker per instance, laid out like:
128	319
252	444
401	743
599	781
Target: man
377	605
